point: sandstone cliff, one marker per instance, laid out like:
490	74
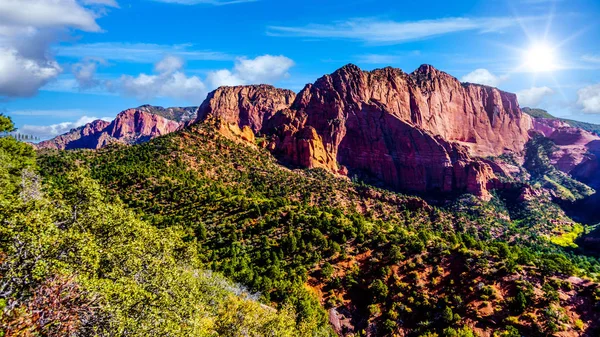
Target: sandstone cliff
82	137
485	119
245	105
416	132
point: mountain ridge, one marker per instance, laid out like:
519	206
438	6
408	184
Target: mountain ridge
336	123
423	131
130	126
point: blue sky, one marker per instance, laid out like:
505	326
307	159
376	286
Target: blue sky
66	62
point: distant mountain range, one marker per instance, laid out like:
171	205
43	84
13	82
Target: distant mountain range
540	113
131	126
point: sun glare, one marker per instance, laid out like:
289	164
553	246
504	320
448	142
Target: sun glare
540	58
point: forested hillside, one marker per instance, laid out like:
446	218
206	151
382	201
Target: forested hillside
75	261
346	255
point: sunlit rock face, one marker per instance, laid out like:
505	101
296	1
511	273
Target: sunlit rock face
417	132
82	137
249	105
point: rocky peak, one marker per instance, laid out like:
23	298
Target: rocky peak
349	68
131	126
427	71
80	137
417	131
486	120
93	127
178	114
135	125
248	105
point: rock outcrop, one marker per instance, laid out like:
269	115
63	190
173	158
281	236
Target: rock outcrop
577	151
131	126
245	105
420	132
416	132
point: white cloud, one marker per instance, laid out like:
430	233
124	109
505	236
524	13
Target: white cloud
394	32
139	52
21	77
209	2
223	77
85	73
483	76
109	3
266	68
169	81
47	14
589	98
27	30
533	96
260	70
49	131
169	64
591	58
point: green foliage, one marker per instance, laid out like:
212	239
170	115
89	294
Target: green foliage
327	270
593	128
275	231
448	315
538	113
520	303
117	275
379	290
6	124
568	239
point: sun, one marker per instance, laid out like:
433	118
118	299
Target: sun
540	57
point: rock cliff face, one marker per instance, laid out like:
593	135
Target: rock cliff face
178	114
415	132
485	119
131	126
577	151
245	105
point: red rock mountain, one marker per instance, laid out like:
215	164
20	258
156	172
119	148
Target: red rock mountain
421	132
245	105
577	151
131	126
76	138
418	131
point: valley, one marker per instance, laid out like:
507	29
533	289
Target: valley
340	211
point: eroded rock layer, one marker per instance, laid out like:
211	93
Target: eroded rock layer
247	105
416	132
